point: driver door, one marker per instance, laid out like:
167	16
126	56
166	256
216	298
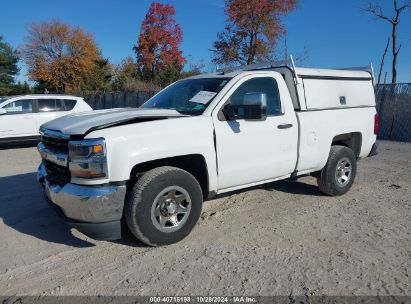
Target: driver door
254	151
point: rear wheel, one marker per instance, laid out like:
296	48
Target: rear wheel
163	206
338	175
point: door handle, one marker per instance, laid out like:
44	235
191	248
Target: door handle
284	126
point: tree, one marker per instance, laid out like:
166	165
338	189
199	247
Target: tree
8	67
19	89
124	74
383	61
60	57
394	21
193	69
169	74
253	27
98	78
158	54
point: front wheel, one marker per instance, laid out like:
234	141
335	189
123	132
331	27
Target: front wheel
163	206
338	175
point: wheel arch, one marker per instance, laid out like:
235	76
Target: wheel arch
195	164
351	140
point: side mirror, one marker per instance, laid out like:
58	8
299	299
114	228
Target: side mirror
254	107
2	111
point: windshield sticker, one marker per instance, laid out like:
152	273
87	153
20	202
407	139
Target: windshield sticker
203	97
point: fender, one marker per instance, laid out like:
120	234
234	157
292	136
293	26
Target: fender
134	144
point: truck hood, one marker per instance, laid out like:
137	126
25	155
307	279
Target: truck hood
85	122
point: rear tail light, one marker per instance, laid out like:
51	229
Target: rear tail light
376	124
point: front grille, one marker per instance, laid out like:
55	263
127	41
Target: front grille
55	143
57	174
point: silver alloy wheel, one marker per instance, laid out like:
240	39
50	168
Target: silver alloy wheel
171	209
343	172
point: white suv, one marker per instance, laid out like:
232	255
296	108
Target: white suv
22	116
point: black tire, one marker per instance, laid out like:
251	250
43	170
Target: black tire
328	178
141	197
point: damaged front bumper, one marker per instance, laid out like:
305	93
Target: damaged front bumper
95	211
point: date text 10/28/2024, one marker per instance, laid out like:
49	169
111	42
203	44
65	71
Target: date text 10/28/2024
203	299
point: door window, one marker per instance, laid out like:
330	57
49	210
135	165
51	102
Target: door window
46	105
69	104
19	106
50	105
265	85
59	105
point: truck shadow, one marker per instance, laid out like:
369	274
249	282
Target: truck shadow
128	239
23	208
293	187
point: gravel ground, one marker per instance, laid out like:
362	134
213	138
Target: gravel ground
284	238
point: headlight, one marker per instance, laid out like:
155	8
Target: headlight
88	159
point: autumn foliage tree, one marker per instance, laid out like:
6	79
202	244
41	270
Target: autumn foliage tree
64	59
253	27
159	58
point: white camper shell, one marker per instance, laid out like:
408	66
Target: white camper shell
314	89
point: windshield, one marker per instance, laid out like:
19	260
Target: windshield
189	96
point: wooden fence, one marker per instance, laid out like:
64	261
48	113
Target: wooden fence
108	100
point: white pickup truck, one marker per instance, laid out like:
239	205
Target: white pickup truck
153	166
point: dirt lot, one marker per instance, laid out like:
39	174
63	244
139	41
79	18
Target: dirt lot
285	238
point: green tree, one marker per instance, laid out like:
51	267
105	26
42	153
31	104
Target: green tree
19	89
99	78
8	67
127	78
124	75
167	75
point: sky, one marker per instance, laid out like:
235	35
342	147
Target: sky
334	33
